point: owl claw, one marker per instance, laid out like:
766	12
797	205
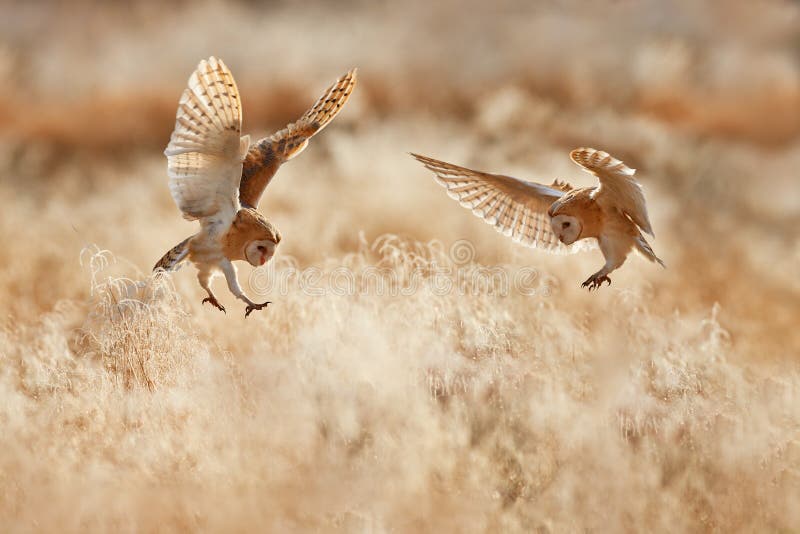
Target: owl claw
594	282
251	307
214	303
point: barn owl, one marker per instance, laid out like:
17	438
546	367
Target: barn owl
216	177
558	218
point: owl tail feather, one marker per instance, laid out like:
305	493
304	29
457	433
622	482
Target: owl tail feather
172	260
644	247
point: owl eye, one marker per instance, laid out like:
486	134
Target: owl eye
261	248
565	224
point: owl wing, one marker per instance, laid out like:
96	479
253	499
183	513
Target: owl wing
618	188
515	208
205	151
268	154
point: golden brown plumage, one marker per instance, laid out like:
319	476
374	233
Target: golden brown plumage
249	225
558	218
206	177
268	154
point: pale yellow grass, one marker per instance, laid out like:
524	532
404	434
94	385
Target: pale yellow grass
139	411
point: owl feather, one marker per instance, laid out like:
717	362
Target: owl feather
617	185
515	208
268	154
205	150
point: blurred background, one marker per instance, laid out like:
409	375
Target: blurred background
702	97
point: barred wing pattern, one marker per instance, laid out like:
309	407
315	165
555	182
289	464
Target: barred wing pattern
268	154
205	150
618	187
516	208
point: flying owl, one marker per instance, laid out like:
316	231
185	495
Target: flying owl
556	217
216	177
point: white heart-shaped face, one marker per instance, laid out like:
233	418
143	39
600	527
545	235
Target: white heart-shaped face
259	252
567	228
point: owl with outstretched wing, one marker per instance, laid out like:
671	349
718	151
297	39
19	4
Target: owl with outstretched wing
216	177
558	218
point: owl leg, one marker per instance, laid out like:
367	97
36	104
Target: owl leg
596	280
204	277
233	284
613	262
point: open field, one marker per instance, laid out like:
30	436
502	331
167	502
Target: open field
669	401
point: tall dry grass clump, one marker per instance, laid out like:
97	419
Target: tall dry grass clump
136	329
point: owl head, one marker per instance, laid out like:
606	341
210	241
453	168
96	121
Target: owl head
565	223
260	251
262	247
259	236
567	228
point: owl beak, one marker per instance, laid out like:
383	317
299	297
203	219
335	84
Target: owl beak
263	259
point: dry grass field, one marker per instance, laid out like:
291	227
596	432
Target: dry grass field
394	386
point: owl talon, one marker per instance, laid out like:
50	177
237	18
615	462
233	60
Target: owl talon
594	282
214	303
252	307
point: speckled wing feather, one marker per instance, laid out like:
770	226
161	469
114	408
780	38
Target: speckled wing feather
516	208
205	150
171	261
618	188
268	154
